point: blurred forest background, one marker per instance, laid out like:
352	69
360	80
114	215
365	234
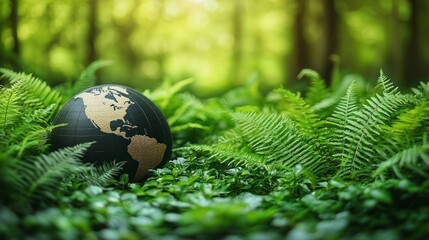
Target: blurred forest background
219	43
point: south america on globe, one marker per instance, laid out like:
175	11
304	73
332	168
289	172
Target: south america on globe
124	124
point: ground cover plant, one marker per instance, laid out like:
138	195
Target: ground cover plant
349	161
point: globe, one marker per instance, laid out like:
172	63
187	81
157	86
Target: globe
124	124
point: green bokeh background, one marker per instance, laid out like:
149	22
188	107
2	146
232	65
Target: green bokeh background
219	43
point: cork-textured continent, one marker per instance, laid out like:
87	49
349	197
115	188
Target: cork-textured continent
147	151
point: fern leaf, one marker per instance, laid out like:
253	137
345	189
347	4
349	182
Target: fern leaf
32	91
318	90
101	174
278	140
422	90
88	78
163	95
28	133
410	123
42	173
298	110
384	85
339	120
414	158
35	89
10	109
363	131
231	155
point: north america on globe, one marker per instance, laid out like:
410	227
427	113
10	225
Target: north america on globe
106	107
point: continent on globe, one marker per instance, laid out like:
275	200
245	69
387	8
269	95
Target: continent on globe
118	111
147	151
105	105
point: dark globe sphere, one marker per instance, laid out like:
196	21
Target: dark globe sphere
125	125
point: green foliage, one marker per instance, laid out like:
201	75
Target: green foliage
191	120
352	164
363	131
39	175
267	141
27	106
413	157
350	143
31	91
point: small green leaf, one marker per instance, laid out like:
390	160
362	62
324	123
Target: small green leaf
381	196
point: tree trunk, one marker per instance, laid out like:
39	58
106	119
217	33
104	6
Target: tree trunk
331	39
92	31
300	46
14	18
412	73
395	45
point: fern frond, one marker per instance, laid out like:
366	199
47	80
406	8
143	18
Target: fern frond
337	123
298	110
101	174
384	85
28	132
413	157
32	91
422	90
309	123
318	90
88	78
10	108
268	141
42	173
231	155
410	123
163	95
363	131
278	140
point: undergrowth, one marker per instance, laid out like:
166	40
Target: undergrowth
349	161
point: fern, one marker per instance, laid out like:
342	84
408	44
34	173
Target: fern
384	85
164	95
38	175
10	108
339	120
268	141
32	91
318	90
413	157
363	129
349	142
34	130
410	123
231	155
422	91
306	120
279	140
101	174
299	111
29	131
